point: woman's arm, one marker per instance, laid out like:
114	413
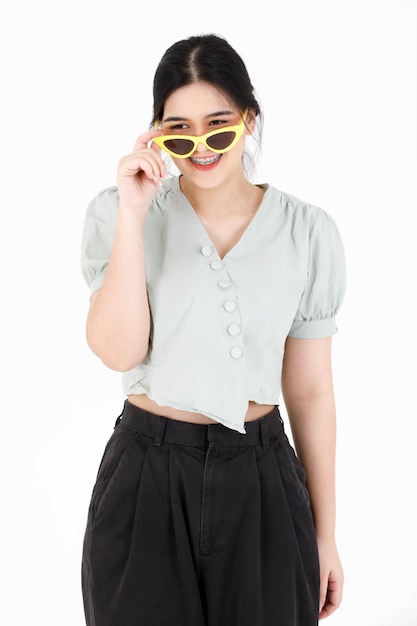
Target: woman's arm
118	322
307	387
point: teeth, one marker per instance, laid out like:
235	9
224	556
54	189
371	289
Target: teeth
206	161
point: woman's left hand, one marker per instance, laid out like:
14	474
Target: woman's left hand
331	578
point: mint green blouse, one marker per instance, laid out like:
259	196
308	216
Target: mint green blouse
219	325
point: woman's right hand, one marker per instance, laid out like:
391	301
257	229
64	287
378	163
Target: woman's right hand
139	173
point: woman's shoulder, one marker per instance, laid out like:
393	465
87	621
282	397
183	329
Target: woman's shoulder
106	201
291	202
296	209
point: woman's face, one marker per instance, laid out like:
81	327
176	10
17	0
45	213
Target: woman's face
197	109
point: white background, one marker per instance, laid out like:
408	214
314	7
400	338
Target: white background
337	82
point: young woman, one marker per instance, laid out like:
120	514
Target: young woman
212	295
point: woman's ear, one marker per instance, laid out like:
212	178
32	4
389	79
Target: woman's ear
250	122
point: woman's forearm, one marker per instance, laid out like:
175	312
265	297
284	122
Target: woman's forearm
313	425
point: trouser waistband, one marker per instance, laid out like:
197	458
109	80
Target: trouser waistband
169	430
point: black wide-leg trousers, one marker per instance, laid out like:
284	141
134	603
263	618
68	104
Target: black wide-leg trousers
199	525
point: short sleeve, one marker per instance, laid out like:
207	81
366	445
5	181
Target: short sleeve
326	281
97	236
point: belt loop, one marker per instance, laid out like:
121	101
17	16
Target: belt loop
160	430
264	434
280	416
119	418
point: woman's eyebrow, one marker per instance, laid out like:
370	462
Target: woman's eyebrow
174	118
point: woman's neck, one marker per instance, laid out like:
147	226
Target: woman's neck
237	197
225	213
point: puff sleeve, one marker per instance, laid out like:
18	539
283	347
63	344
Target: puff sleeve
97	236
326	281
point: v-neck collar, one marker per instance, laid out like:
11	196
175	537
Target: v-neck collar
246	233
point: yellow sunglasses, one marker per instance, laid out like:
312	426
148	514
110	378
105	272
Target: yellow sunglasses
219	141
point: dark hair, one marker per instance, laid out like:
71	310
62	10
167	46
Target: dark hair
209	58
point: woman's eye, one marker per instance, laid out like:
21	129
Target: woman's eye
178	127
219	123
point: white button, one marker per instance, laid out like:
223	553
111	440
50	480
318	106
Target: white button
233	330
224	284
216	265
236	352
206	250
230	306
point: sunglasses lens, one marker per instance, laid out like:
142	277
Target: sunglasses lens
179	146
221	140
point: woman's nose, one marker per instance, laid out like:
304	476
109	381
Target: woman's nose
201	147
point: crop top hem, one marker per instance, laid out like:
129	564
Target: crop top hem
175	405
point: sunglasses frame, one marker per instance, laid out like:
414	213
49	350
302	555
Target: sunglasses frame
197	139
